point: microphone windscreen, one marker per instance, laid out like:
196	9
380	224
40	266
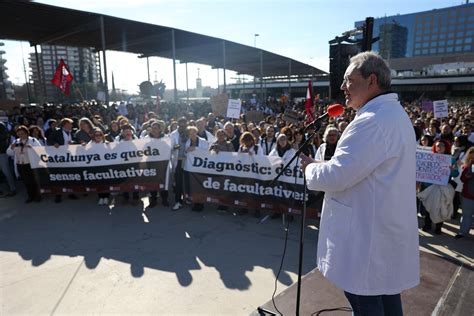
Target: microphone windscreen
335	110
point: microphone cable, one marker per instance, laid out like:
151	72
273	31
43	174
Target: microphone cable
287	228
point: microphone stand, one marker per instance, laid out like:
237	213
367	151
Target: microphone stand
303	215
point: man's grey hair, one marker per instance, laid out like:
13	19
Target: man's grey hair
371	63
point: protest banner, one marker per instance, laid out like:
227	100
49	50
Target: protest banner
219	104
254	116
440	108
245	181
432	168
292	117
136	165
233	108
427	106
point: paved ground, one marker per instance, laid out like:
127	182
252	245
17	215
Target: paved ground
77	258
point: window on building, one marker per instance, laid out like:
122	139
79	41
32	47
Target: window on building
468	40
433	51
426	44
441	50
451	28
443	29
469	33
441	43
450	35
467	48
442	36
458	49
449	49
424	51
417	51
459	41
434	37
460	34
418	45
418	38
450	42
426	38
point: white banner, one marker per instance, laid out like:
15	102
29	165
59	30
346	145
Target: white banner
432	168
440	108
233	108
115	153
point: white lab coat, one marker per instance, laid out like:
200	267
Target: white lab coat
286	156
368	241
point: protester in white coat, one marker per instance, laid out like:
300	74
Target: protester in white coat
368	241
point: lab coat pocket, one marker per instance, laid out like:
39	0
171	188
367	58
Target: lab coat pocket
338	221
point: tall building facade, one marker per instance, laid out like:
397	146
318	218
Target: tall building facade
393	40
83	63
435	32
6	89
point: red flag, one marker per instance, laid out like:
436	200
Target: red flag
62	77
309	102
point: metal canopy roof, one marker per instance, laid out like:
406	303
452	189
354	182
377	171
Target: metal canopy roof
44	24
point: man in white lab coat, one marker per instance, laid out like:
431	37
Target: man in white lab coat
368	240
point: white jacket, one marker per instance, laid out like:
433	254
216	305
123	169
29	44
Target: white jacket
368	240
438	201
286	156
15	152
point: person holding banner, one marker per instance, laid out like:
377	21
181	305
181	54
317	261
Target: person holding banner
467	196
179	137
128	134
221	144
98	137
157	131
233	134
19	150
368	239
268	143
60	137
193	142
248	145
439	147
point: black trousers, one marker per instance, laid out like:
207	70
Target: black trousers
163	195
179	182
32	187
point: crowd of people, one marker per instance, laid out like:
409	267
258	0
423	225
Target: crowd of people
195	126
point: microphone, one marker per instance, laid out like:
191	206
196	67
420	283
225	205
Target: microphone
334	110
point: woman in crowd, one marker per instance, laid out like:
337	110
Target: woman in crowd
268	140
439	147
113	132
37	132
328	148
221	143
193	142
285	151
300	138
98	137
128	134
157	131
83	135
467	196
458	151
426	141
248	145
283	148
19	151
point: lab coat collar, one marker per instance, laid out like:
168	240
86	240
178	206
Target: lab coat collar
383	97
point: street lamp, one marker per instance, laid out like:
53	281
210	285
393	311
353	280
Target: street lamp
255	40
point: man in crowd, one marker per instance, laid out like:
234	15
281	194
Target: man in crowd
368	239
4	163
232	135
179	137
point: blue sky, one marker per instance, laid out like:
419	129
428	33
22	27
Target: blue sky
299	29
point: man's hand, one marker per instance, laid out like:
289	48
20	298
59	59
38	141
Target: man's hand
305	160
